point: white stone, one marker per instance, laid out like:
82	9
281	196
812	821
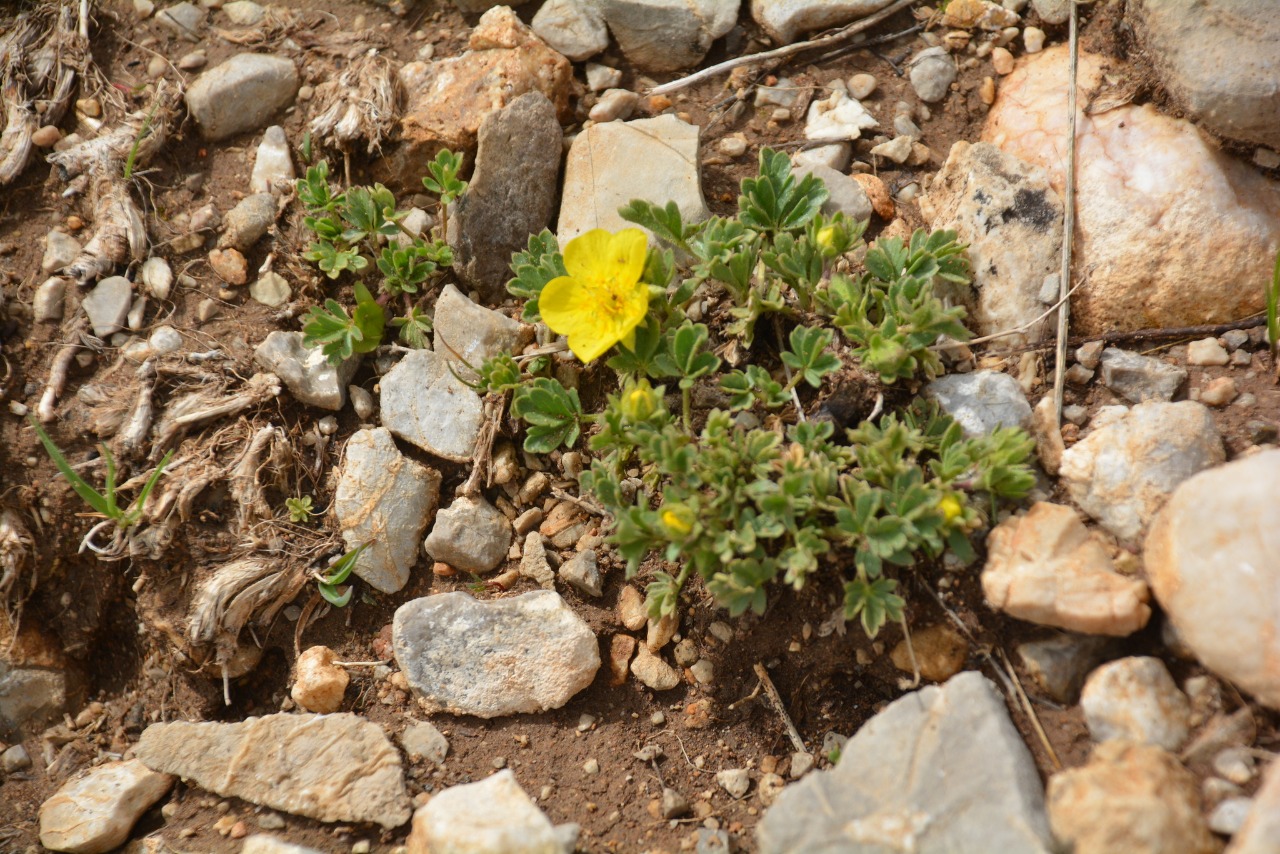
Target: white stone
185	20
241	94
383	500
1135	699
735	781
837	117
264	843
156	277
784	20
981	401
165	340
108	305
665	35
422	740
273	166
932	73
574	27
492	816
470	534
424	403
1206	351
271	289
47	304
318	683
844	195
307	372
94	812
1211	562
60	249
244	13
470	333
600	77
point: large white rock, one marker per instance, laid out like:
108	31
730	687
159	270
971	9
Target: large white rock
424	403
241	94
783	20
1122	473
982	401
612	163
384	501
1045	567
1156	255
665	35
94	812
307	371
492	816
1213	560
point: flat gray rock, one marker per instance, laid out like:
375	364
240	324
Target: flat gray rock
108	305
574	27
470	534
424	403
307	372
940	770
1139	378
470	333
241	94
383	500
981	401
336	767
246	223
932	73
95	811
511	195
528	653
492	816
665	35
845	195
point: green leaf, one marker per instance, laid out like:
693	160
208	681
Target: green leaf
314	191
443	180
415	327
808	354
552	412
665	222
774	201
341	335
498	374
640	360
874	601
685	355
533	268
91	496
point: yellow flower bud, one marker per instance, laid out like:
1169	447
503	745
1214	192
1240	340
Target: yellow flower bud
827	238
950	507
678	519
639	402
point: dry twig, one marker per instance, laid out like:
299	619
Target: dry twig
775	700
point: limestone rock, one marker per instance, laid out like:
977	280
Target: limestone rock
273	165
582	574
573	27
1260	833
1139	378
1121	473
1175	280
511	194
319	684
1211	560
492	816
932	73
784	20
610	164
424	403
1219	60
845	195
1130	798
1045	567
450	98
108	305
655	673
383	500
1135	699
471	535
60	249
666	35
981	791
981	401
470	333
422	739
1011	219
327	767
241	94
95	811
537	653
264	843
307	372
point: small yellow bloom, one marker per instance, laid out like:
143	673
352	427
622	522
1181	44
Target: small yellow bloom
640	401
678	520
950	507
602	300
827	238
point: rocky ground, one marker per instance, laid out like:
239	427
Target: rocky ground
1104	676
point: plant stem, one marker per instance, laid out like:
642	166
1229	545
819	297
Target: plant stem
686	408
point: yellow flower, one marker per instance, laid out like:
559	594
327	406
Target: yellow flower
640	401
950	507
602	300
678	520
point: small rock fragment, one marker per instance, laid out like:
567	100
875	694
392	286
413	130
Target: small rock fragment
319	684
735	781
492	816
423	740
230	266
245	224
107	305
1135	699
940	653
271	289
471	535
307	372
653	671
582	573
94	812
932	73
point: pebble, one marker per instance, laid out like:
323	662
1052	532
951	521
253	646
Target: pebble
1234	764
306	371
783	93
95	811
981	401
165	340
207	309
491	816
1206	351
229	265
319	684
470	534
156	277
241	94
602	77
631	608
271	289
703	671
1229	816
273	170
651	670
896	150
1059	664
1135	699
861	86
107	305
735	781
583	574
1219	392
15	759
1139	378
1001	61
732	146
193	61
673	804
621	648
932	73
46	137
591	766
1033	39
157	67
423	740
614	105
59	250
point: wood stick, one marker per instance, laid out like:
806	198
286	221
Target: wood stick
775	700
1068	228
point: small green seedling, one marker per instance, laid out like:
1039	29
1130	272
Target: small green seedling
327	584
299	509
105	503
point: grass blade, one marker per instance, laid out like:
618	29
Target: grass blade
90	495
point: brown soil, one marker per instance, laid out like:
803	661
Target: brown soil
88	610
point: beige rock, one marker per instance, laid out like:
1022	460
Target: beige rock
329	767
653	671
978	14
450	98
1127	198
660	632
230	266
94	812
1211	561
319	683
1048	435
492	816
1045	567
1219	392
621	648
940	653
1129	799
1261	831
1135	699
631	609
878	193
784	20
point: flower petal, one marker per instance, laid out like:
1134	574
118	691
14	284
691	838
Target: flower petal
572	310
627	252
586	256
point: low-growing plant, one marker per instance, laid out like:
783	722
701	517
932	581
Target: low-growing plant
755	490
327	583
359	231
299	509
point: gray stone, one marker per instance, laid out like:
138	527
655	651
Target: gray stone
271	289
582	574
60	249
241	94
711	841
31	697
666	35
470	333
423	740
47	304
336	767
613	163
932	73
244	13
534	564
528	653
837	117
185	20
424	403
1210	558
1059	664
1140	378
156	277
981	401
1218	60
307	372
1229	816
493	816
15	758
511	195
246	223
265	843
784	93
574	27
383	500
1122	473
95	811
846	195
273	165
1011	219
942	767
1131	798
784	20
735	781
614	105
165	340
1135	699
108	305
470	534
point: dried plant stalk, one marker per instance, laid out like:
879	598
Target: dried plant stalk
244	591
360	106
